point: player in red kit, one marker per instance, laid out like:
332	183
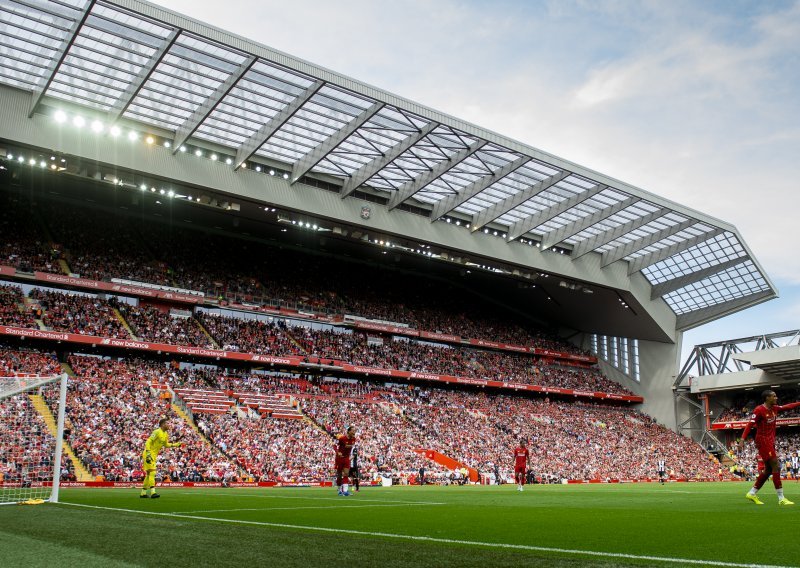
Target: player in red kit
520	463
764	419
344	447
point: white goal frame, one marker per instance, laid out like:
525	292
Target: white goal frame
28	383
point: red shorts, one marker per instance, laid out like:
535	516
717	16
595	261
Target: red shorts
766	450
519	470
341	463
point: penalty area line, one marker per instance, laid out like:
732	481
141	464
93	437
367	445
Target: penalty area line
396	536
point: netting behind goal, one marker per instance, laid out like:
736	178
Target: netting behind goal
30	453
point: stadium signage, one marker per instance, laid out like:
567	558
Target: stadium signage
279	360
386	328
8	271
440	336
560	355
201	351
65	280
741	424
37	333
295	361
173	484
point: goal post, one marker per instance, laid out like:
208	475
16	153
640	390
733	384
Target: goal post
30	453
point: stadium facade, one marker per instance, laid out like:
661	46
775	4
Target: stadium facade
140	96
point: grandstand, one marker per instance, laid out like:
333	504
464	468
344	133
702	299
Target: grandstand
194	224
721	384
486	262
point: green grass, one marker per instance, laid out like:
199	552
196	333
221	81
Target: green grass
458	526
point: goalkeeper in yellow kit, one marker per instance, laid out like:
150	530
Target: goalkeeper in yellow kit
157	440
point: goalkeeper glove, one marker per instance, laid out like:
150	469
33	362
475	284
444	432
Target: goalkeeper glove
148	458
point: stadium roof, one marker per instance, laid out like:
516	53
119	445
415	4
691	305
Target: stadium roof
135	61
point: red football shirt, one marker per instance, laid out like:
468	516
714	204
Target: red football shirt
520	457
764	420
344	446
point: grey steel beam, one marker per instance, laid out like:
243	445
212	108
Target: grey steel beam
410	188
191	124
130	93
623	250
519	228
249	146
379	162
609	235
638	263
697	318
556	236
447	204
58	59
677	283
479	220
315	156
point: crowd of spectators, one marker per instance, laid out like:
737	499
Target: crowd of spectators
75	313
291	451
111	413
12	307
151	324
107	247
27	448
250	336
92	315
327	345
112	408
116	246
743	405
787	444
15	361
21	244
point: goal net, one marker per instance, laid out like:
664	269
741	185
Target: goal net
31	436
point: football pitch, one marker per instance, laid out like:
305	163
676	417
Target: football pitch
678	524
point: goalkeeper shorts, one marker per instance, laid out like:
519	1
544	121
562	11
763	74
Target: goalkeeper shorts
148	461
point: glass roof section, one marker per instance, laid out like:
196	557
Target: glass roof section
131	59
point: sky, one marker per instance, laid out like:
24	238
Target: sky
695	101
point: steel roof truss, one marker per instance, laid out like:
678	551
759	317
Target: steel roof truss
519	228
613	234
664	288
125	99
638	263
698	317
58	58
410	188
623	250
502	207
202	112
259	138
444	206
559	235
374	166
316	155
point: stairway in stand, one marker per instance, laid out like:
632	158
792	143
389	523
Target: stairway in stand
186	418
125	324
38	402
213	341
